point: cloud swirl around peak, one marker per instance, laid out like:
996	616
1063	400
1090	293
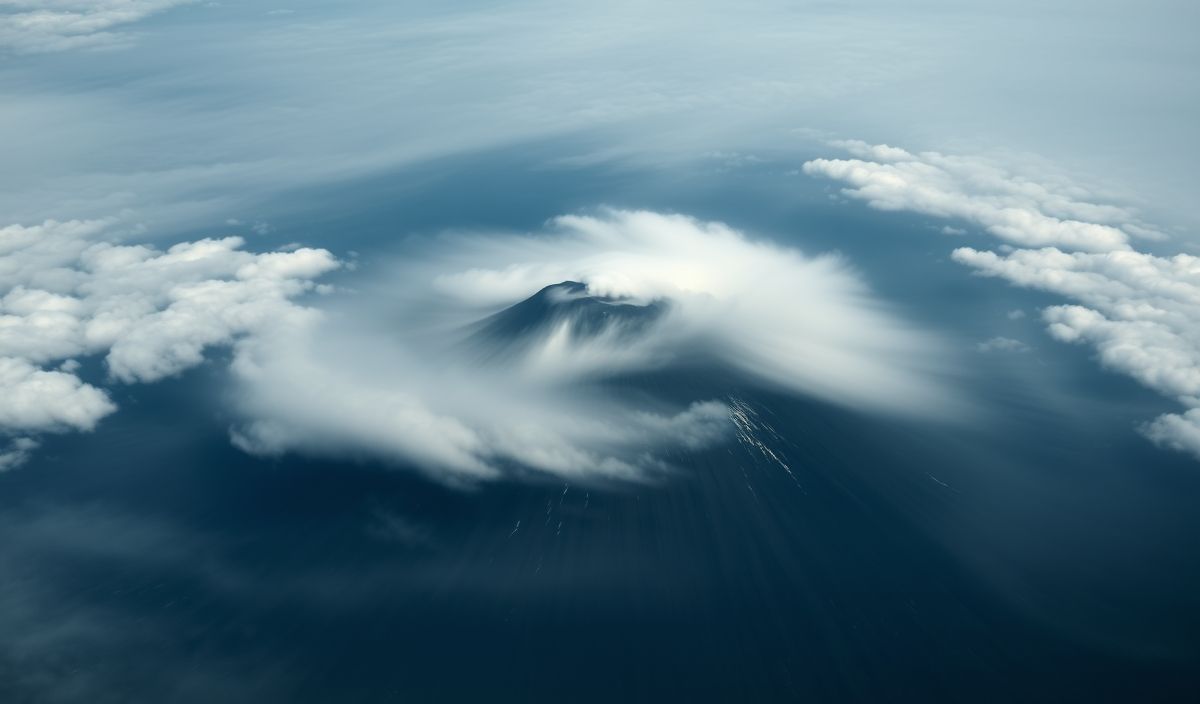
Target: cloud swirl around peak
427	389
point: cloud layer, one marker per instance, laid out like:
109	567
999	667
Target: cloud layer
35	26
66	294
1020	211
1140	311
421	390
216	110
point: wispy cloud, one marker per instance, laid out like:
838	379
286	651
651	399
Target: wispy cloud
413	392
223	107
1001	344
36	26
1020	211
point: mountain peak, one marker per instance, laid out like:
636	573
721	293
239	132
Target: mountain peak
567	302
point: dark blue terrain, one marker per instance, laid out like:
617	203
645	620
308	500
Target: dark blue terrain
797	562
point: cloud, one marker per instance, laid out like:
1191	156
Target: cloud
17	453
1001	344
1140	311
420	389
1017	210
268	100
66	293
212	116
357	394
1177	431
47	401
213	113
336	382
805	323
36	26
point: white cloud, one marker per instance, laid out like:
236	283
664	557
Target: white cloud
1177	431
1140	311
214	111
17	453
36	400
65	293
806	323
213	114
413	391
1018	210
1015	314
34	26
459	425
877	152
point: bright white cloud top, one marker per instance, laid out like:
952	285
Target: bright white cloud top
395	375
1018	210
66	293
419	389
1139	310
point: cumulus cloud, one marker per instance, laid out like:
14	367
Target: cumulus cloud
1140	311
66	293
38	400
17	453
400	372
32	26
424	389
1176	431
1016	209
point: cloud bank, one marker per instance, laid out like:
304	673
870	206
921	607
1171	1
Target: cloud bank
1018	210
396	373
1140	311
66	294
217	110
36	26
